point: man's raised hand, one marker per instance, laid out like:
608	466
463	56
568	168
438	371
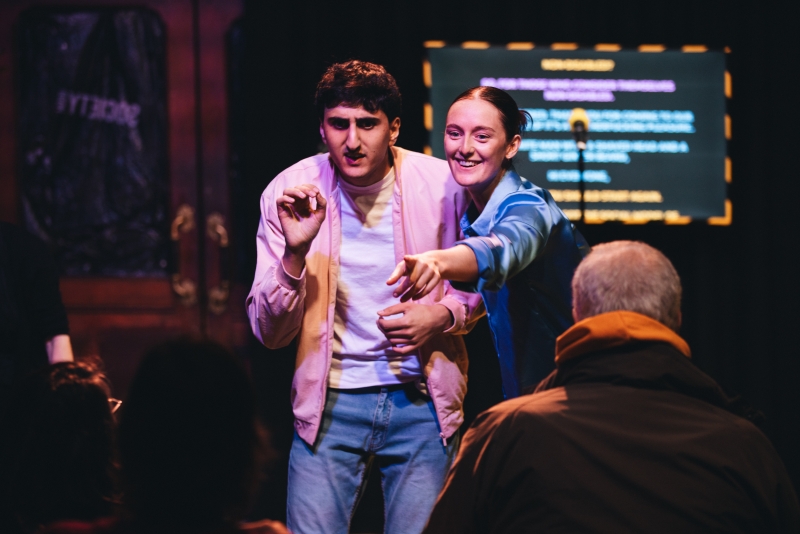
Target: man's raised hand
301	210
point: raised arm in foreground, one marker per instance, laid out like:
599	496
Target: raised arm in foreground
289	224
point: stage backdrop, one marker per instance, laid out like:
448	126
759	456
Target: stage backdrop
92	143
657	147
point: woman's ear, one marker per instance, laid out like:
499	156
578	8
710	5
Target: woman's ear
513	146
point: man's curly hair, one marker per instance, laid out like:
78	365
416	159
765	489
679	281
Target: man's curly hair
358	84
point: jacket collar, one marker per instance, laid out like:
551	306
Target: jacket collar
614	329
473	223
629	349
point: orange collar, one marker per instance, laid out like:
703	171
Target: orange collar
614	329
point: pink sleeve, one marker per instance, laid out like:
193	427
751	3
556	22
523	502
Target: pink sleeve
276	301
466	308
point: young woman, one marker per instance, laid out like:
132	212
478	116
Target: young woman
520	251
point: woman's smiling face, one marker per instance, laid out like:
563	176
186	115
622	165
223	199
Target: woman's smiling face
475	143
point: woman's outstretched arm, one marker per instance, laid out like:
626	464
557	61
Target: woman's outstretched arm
424	271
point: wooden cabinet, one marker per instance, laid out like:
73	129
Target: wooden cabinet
184	285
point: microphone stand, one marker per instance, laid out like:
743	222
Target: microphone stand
581	135
581	185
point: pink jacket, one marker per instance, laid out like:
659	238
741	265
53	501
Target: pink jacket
280	306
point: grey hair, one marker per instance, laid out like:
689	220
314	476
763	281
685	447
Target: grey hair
630	276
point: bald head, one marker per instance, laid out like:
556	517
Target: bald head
627	276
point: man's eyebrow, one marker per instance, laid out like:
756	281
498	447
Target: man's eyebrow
370	120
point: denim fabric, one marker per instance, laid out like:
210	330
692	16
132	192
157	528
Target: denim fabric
393	429
527	251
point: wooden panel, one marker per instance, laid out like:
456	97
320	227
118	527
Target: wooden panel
118	319
119	339
116	293
215	21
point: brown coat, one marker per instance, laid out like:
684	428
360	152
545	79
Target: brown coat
628	436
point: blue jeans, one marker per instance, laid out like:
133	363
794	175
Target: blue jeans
393	427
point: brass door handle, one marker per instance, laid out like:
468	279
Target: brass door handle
184	288
215	227
218	295
183	222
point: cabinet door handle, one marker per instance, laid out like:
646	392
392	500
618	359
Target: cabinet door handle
218	295
184	288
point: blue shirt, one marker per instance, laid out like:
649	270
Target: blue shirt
527	251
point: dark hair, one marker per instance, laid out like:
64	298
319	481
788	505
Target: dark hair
358	83
514	120
189	441
57	450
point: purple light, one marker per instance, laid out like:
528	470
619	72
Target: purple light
578	89
579	96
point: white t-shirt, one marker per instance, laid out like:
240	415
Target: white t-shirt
362	356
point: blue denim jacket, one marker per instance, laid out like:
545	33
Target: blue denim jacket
527	252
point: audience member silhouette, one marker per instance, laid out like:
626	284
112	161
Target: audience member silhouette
57	448
190	446
34	329
626	435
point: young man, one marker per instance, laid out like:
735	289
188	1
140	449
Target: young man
376	381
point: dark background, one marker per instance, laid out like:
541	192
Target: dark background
740	283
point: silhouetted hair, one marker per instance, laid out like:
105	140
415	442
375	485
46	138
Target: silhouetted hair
629	276
358	84
58	446
189	440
